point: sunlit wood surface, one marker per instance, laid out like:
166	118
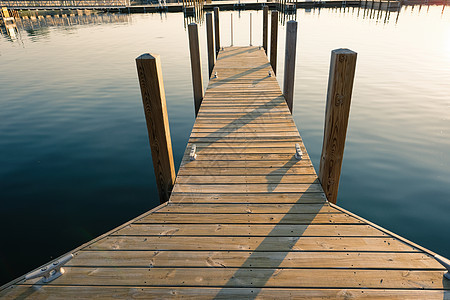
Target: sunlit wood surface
246	219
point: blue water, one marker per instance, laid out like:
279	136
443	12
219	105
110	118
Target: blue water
74	154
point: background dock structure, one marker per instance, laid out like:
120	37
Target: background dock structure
246	217
192	7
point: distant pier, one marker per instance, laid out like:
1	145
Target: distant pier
246	216
188	6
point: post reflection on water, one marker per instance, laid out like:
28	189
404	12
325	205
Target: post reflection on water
34	23
73	132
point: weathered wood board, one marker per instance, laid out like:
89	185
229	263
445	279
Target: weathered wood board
246	219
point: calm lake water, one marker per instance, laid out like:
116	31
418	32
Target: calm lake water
74	153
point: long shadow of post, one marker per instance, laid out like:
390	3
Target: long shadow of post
220	82
239	122
236	51
254	259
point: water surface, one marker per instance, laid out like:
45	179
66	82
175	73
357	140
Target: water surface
75	160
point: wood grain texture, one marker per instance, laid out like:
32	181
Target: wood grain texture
210	42
265	26
289	63
140	292
274	41
155	109
267	260
246	219
217	29
252	277
196	66
340	85
258	244
248	198
231	218
255	230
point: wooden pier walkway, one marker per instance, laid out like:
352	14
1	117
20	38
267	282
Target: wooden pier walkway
246	219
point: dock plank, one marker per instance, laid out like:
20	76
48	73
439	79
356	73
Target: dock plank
234	277
141	292
230	218
261	230
246	219
258	244
266	260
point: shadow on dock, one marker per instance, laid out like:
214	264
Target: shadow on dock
254	259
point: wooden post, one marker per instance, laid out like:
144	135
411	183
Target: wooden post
340	85
210	42
196	66
265	26
231	23
274	41
154	100
289	63
250	29
216	28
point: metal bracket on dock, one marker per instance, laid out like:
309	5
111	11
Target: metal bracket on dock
193	155
446	263
50	271
298	152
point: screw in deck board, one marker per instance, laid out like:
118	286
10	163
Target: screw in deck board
196	66
340	85
216	29
289	63
265	26
210	42
274	41
154	101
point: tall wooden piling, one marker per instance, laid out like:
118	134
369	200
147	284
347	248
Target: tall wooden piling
231	29
265	26
274	41
250	29
154	101
196	66
210	42
216	28
340	85
289	63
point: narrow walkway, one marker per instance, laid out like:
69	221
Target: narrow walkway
246	219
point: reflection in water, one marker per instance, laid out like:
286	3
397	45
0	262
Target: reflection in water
37	25
74	139
380	12
193	12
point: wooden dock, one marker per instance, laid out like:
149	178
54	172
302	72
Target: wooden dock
246	219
